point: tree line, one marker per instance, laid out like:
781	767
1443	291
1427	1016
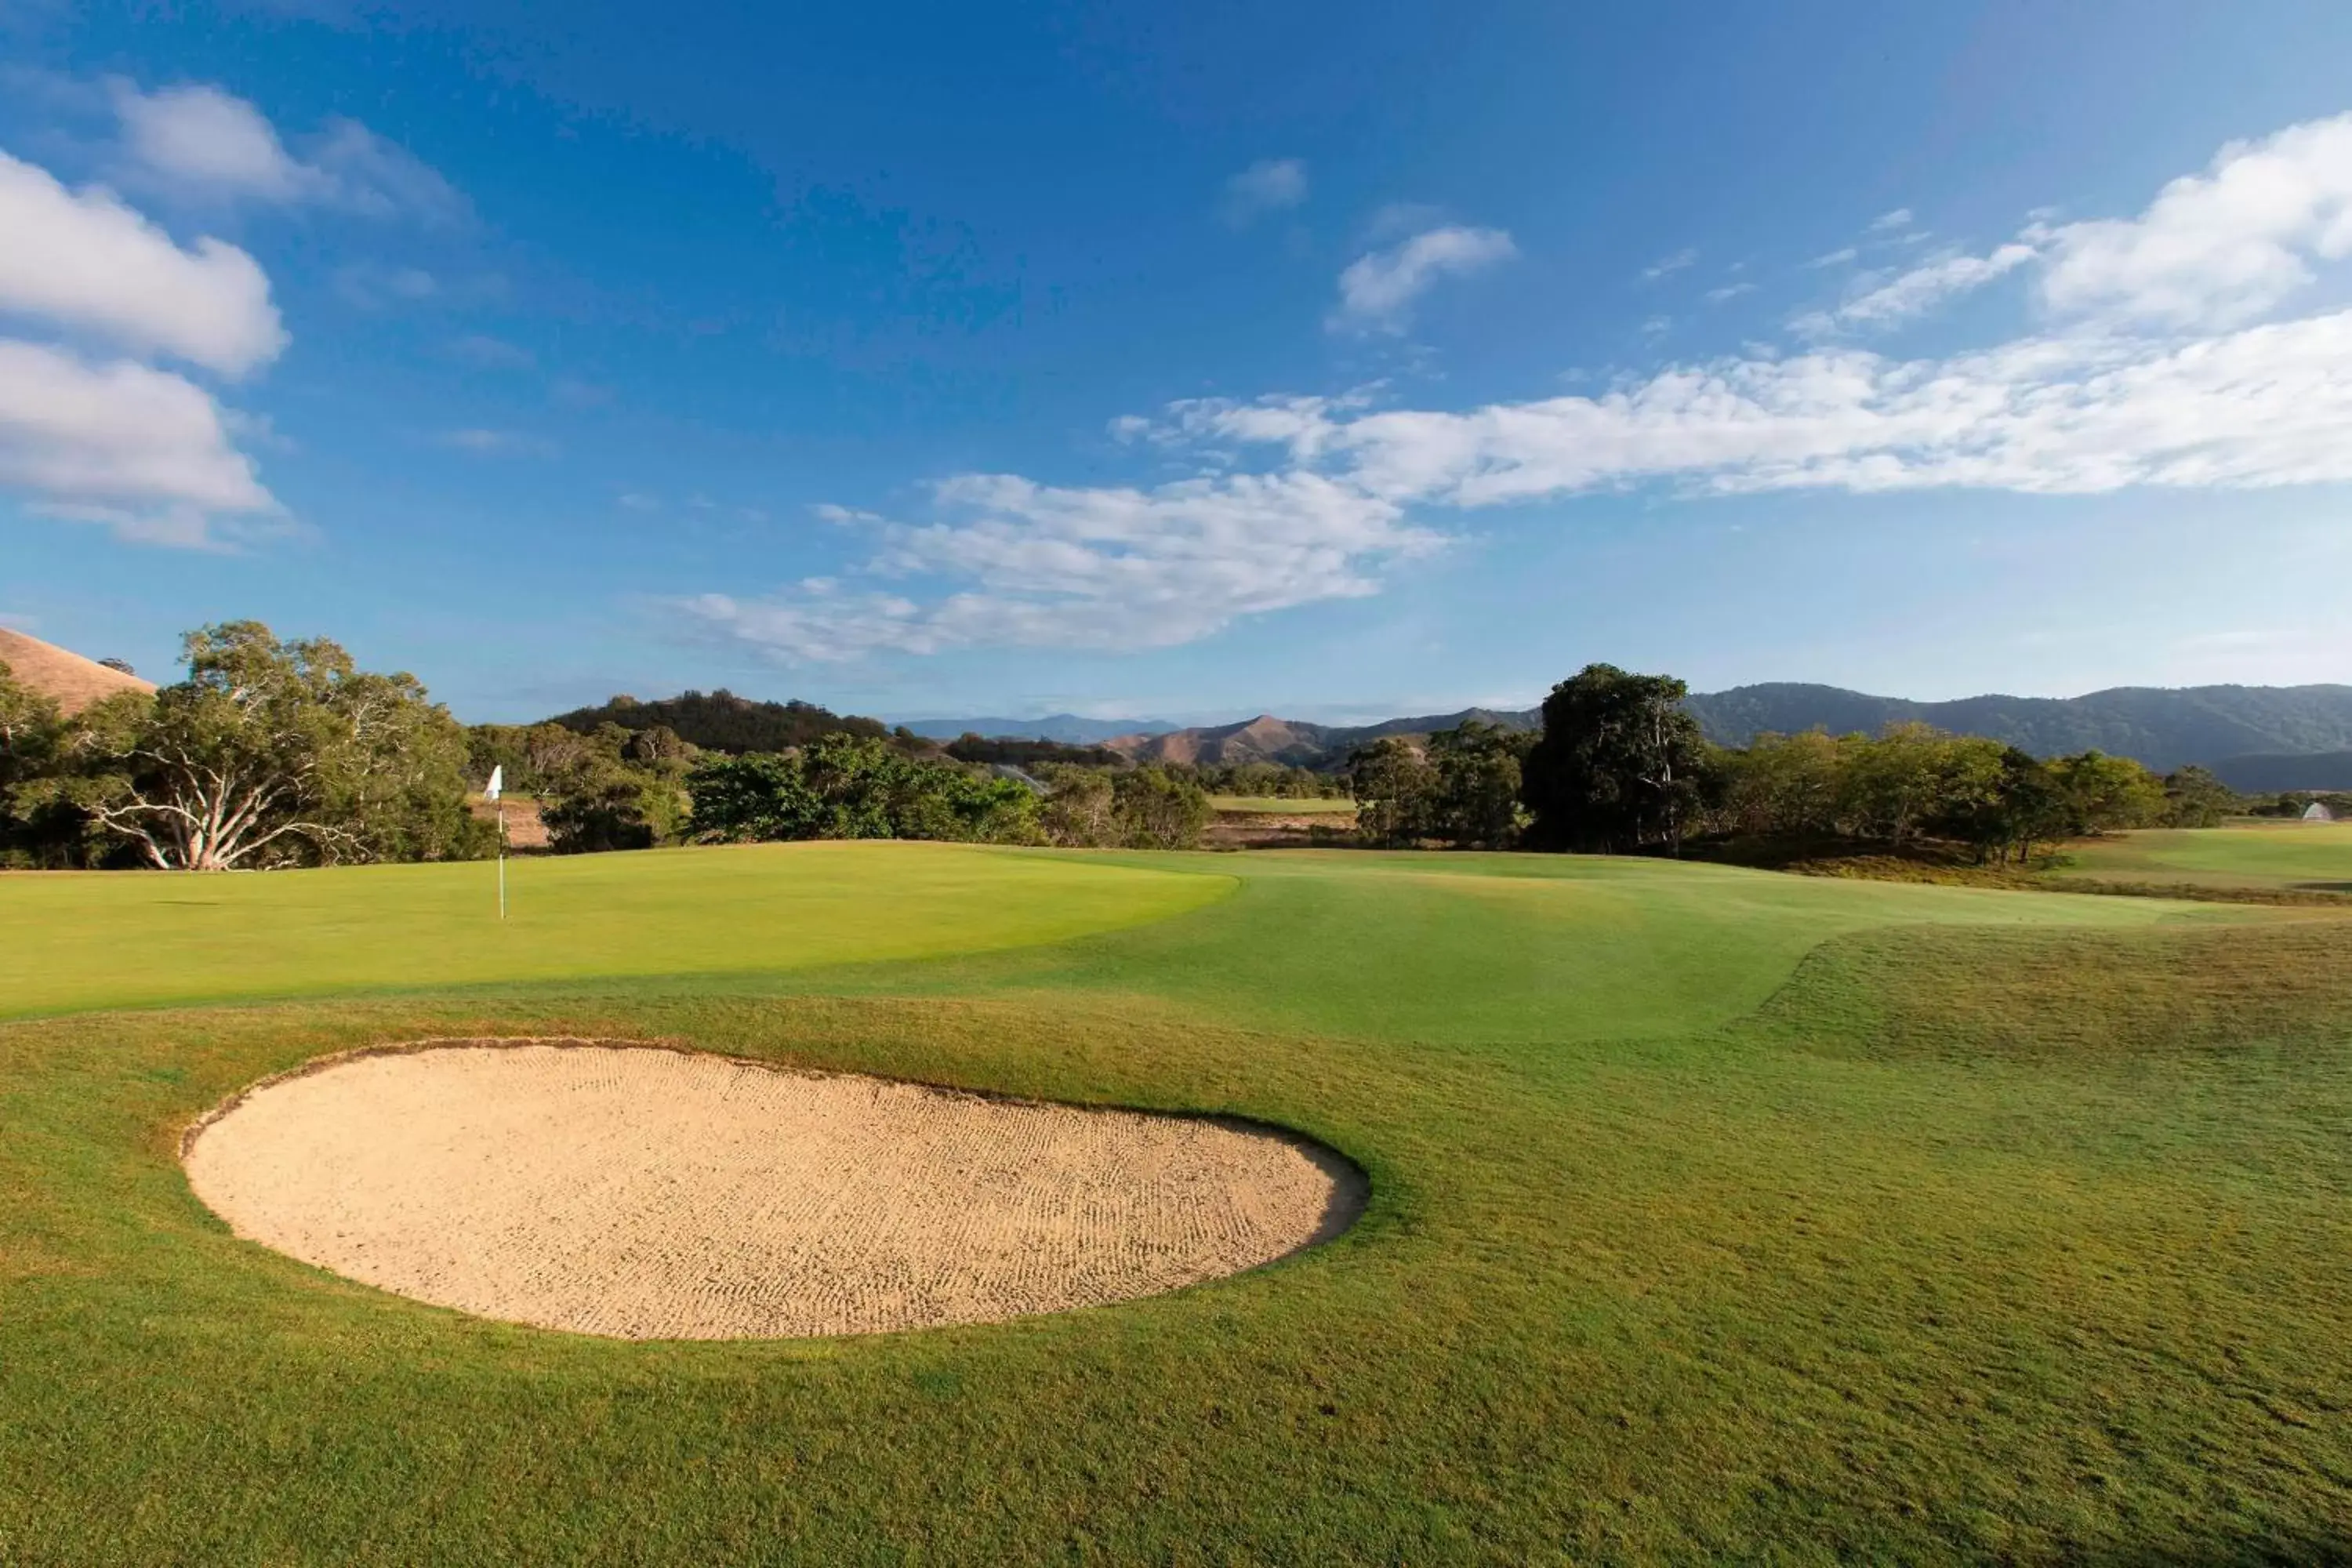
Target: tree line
283	752
1620	766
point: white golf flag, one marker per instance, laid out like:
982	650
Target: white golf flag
498	783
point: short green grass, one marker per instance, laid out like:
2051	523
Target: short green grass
1716	1216
2300	857
1274	806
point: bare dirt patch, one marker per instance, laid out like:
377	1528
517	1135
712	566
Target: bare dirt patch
649	1193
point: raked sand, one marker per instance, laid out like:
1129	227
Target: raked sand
649	1193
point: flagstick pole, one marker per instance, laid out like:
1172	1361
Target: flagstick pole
502	856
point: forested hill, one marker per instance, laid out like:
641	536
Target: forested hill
2161	727
721	722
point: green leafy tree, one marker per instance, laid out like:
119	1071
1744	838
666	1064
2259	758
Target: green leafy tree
1395	789
1158	808
855	786
1477	777
1617	767
2195	798
1079	811
38	828
273	752
2104	794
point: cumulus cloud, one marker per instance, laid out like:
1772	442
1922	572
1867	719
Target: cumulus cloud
86	261
143	451
199	140
1377	291
1270	184
2217	248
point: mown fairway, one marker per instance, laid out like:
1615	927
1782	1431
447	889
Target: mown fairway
1715	1215
1274	806
2302	857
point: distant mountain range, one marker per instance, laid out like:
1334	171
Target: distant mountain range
2249	725
1066	728
2162	728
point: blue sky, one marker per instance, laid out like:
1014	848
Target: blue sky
1185	362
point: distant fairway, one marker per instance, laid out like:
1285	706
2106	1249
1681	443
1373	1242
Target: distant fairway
2314	857
1273	806
1714	1215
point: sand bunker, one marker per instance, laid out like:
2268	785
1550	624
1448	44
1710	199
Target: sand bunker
655	1193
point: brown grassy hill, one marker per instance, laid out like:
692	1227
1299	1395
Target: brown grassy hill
68	679
1264	738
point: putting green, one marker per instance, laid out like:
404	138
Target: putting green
129	939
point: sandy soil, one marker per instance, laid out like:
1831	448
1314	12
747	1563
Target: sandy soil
654	1193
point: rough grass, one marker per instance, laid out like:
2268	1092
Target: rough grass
1716	1216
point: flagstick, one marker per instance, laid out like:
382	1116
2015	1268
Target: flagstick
502	856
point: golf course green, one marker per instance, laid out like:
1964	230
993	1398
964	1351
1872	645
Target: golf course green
1715	1215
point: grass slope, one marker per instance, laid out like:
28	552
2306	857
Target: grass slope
1715	1215
2284	856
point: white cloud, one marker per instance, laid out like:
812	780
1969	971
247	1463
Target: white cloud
85	260
198	140
2260	407
1728	291
1837	257
2096	401
1874	304
374	287
486	352
2218	248
1270	184
1667	265
1104	568
143	451
494	443
1377	290
1886	222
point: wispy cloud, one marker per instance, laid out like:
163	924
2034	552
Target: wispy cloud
483	442
2143	374
1667	266
1270	184
200	141
1378	290
1876	304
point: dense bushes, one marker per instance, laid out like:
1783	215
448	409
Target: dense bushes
608	789
721	722
855	786
1914	782
1461	788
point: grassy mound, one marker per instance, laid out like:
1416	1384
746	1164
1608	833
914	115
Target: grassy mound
1714	1215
